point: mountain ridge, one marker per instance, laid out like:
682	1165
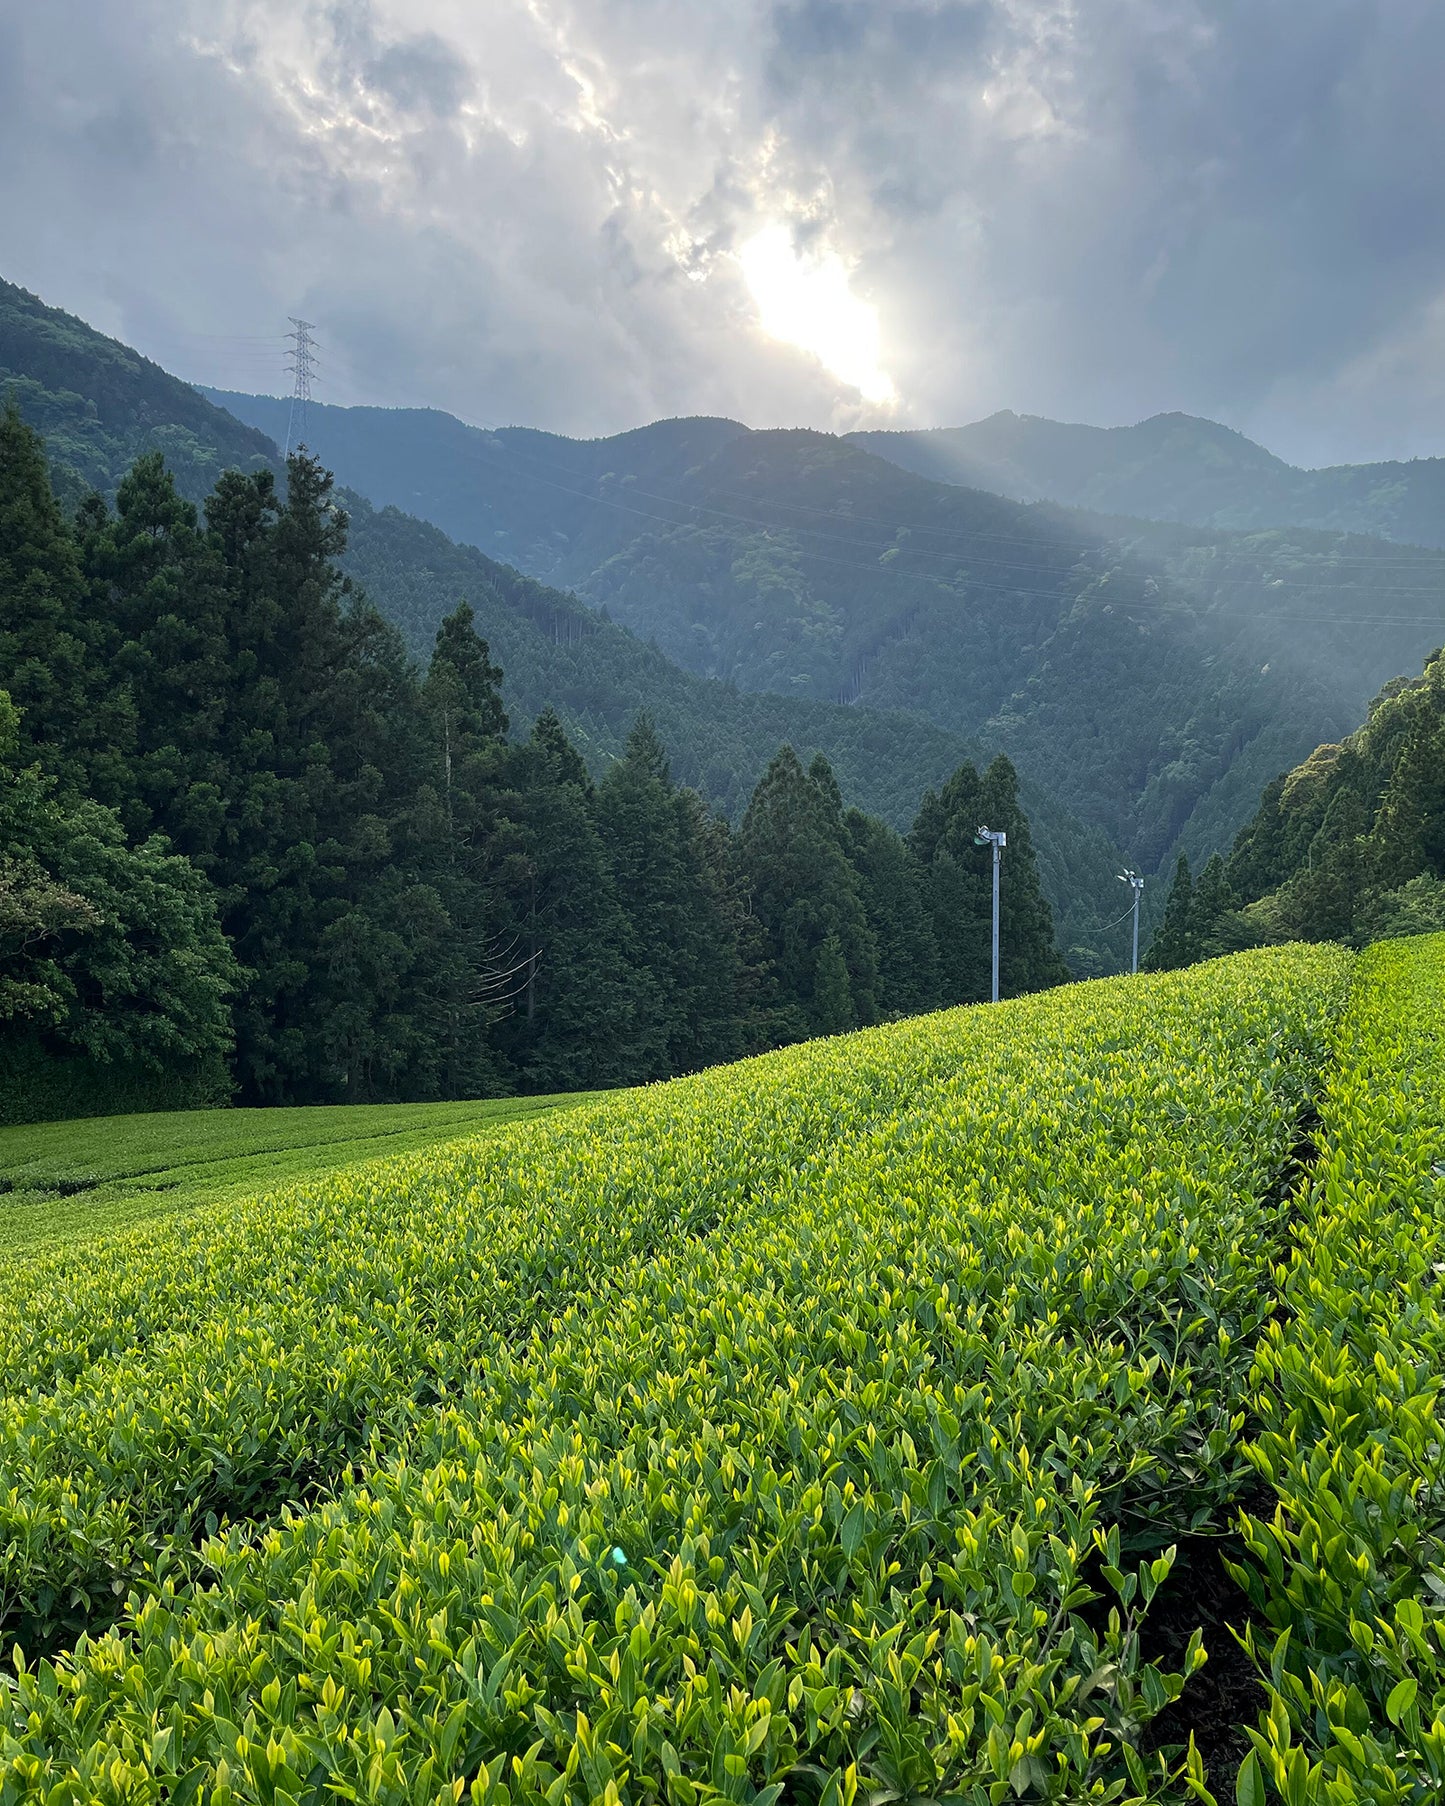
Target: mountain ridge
94	398
1178	467
554	650
1151	691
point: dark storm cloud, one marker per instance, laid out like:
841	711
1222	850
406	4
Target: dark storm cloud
532	211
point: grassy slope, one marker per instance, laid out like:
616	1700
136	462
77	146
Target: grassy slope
63	1180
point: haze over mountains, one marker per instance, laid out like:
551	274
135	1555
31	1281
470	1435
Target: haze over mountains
100	404
1174	467
1152	677
1149	678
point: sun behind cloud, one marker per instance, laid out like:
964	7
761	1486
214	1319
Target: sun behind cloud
806	300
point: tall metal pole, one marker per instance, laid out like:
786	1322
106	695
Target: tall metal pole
998	840
1136	884
1134	956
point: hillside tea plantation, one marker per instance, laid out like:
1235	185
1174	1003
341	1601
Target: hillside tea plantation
820	1428
64	1180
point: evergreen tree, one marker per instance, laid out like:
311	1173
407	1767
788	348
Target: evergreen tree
1028	957
1174	944
1261	856
1410	837
803	891
1211	927
682	930
956	886
958	878
276	735
158	585
892	888
463	696
1318	902
575	1020
722	980
452	829
71	712
833	1009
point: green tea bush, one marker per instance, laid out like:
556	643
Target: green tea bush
1349	1572
823	1436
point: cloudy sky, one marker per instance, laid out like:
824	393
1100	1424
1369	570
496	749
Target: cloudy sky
585	214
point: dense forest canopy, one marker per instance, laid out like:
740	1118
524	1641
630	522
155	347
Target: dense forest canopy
1348	846
558	653
245	842
1152	680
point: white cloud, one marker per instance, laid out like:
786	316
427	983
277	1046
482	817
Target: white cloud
539	210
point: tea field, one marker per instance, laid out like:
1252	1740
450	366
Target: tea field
856	1424
60	1181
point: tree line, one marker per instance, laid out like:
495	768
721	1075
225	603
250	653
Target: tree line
248	849
1349	846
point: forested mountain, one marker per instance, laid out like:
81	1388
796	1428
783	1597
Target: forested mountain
100	405
1350	845
1174	467
245	843
1153	683
557	652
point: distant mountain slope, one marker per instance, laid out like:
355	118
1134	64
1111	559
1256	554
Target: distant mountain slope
527	497
798	563
1349	608
554	650
1349	846
1174	467
100	404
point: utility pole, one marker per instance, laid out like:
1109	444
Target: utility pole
1136	883
998	840
302	365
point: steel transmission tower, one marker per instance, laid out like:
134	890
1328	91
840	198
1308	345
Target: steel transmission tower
302	365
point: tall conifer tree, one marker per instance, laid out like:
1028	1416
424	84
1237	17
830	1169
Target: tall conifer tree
1174	943
804	892
959	888
892	887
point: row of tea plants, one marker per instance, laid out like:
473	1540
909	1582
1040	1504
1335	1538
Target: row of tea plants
1348	1576
818	1428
